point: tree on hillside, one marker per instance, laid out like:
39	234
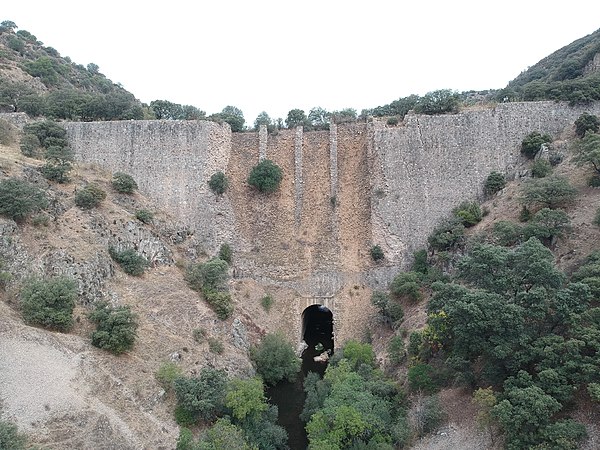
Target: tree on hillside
319	118
587	151
550	192
234	117
438	102
295	118
264	119
586	122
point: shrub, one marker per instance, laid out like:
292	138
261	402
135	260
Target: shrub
469	213
390	310
420	378
199	335
19	199
90	196
532	143
49	303
594	391
218	183
377	253
267	302
275	359
438	102
10	438
220	302
596	220
550	192
144	216
407	285
541	168
166	374
211	275
30	146
506	233
495	182
225	253
392	121
123	183
215	346
448	234
594	180
395	350
115	328
204	396
266	176
586	122
130	261
420	264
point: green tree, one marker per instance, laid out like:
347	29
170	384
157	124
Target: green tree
19	199
218	183
223	435
123	183
389	310
438	102
532	143
547	225
523	413
59	162
550	192
295	118
49	303
115	327
586	122
448	234
8	26
265	176
264	119
45	131
407	285
275	359
587	151
234	117
319	118
358	354
469	213
494	182
246	398
202	396
541	168
420	378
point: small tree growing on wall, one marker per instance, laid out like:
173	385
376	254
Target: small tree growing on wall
265	176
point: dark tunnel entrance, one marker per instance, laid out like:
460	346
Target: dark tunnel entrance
317	332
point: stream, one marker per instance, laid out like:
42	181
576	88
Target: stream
289	397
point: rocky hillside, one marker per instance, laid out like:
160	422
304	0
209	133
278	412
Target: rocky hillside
571	73
59	389
37	80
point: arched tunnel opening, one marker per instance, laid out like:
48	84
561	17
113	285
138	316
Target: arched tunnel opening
317	332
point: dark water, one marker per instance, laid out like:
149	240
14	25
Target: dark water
289	397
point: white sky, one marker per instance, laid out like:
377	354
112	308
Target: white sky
276	55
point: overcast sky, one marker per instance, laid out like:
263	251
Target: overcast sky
279	55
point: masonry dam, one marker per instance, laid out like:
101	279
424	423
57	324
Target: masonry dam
343	190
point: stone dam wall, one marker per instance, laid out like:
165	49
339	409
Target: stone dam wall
343	191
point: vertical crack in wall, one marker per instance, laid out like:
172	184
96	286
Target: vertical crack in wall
298	182
262	142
